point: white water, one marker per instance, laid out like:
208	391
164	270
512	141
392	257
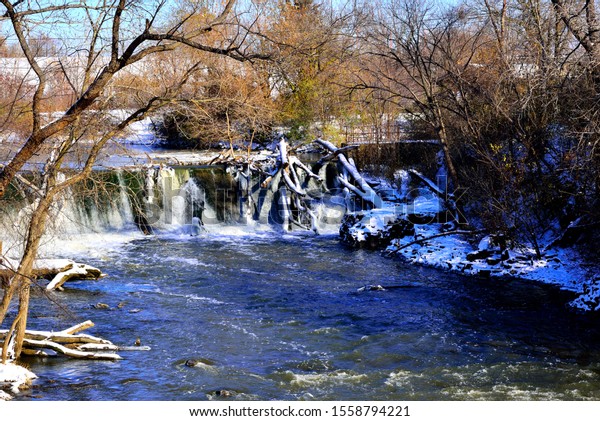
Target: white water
170	198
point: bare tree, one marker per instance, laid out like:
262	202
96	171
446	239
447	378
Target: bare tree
127	45
584	24
120	38
411	53
227	101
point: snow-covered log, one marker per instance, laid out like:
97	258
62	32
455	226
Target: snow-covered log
289	177
572	232
363	189
70	343
46	268
432	186
73	353
78	271
444	195
42	268
295	162
335	153
78	327
59	270
34	353
284	176
291	185
111	347
344	180
97	347
60	337
283	152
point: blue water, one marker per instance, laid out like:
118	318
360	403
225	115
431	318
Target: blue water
278	317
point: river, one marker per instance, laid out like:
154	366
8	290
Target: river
274	316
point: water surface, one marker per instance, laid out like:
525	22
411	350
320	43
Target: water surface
278	317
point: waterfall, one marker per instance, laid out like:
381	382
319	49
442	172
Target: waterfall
149	185
102	205
99	205
162	199
170	182
125	208
172	198
330	211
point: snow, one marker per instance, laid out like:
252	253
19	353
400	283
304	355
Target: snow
559	267
457	253
13	378
57	265
426	205
485	243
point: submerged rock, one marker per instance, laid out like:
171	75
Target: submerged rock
371	288
223	393
199	362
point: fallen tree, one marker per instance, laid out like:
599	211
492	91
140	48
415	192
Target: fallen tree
68	342
279	171
58	271
284	174
360	187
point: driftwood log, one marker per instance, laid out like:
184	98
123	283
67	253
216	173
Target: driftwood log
68	342
58	271
77	272
69	352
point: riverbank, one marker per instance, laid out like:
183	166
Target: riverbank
13	380
442	246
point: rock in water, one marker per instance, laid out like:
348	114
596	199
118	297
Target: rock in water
371	288
224	393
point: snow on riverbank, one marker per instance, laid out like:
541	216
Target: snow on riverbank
390	228
13	379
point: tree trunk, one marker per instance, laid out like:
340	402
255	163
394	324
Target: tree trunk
24	295
21	282
443	135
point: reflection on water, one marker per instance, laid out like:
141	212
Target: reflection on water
279	317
